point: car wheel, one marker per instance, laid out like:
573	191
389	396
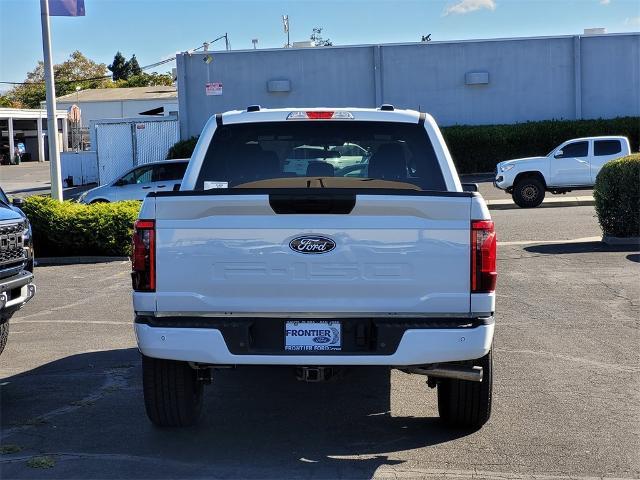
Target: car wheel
100	200
462	403
528	192
172	392
4	330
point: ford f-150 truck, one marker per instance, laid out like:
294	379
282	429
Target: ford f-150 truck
386	261
16	263
573	165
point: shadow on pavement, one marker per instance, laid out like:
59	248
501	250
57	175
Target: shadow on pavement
634	257
44	188
87	412
69	193
579	247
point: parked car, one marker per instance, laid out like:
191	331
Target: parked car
136	183
16	263
250	265
340	156
573	165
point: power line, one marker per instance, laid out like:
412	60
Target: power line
106	77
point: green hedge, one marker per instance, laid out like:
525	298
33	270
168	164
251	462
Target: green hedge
617	196
69	228
183	148
477	149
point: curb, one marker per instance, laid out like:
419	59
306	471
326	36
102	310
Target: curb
51	261
610	240
548	203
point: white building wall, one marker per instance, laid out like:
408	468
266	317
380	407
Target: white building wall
118	109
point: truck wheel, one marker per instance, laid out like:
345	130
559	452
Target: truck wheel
528	192
466	404
4	331
172	392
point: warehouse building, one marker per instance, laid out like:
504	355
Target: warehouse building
133	102
459	82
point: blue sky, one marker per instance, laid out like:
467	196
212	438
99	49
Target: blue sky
155	29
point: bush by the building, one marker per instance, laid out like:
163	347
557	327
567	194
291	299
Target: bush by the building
182	149
70	229
617	197
477	149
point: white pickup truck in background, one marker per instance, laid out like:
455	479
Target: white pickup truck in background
573	165
384	261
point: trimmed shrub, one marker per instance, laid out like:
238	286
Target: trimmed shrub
617	196
477	149
69	228
182	149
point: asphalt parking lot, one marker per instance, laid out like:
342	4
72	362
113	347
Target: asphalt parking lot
566	397
32	178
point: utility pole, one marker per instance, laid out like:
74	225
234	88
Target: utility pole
52	121
226	41
285	23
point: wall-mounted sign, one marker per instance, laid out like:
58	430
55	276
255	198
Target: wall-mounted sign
213	88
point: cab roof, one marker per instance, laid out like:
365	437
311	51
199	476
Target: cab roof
386	113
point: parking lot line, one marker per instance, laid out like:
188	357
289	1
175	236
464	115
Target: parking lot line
550	242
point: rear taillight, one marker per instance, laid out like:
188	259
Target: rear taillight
143	260
483	256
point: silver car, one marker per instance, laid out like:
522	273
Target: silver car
135	184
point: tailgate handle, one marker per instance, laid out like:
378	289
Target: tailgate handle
333	204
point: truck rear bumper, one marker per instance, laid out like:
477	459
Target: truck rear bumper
416	347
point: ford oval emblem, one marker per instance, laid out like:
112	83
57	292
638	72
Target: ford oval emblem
321	339
312	244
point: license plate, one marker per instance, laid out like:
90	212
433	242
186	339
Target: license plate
310	335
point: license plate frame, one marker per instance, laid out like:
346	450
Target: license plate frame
312	336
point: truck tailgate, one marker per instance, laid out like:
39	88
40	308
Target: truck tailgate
394	254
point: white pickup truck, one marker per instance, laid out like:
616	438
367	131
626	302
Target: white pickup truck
574	165
388	262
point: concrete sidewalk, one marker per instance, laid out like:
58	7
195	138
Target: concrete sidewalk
555	201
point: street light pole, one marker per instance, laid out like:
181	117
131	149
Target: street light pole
78	135
52	121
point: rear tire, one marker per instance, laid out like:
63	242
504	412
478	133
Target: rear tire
172	392
466	404
528	192
4	331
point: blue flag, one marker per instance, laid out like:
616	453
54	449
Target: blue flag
66	8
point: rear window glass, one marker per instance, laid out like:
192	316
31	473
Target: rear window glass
396	152
169	171
607	147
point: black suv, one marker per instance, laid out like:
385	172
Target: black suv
16	263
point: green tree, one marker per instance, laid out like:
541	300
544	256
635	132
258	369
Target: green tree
146	80
134	66
7	102
77	70
120	68
318	40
